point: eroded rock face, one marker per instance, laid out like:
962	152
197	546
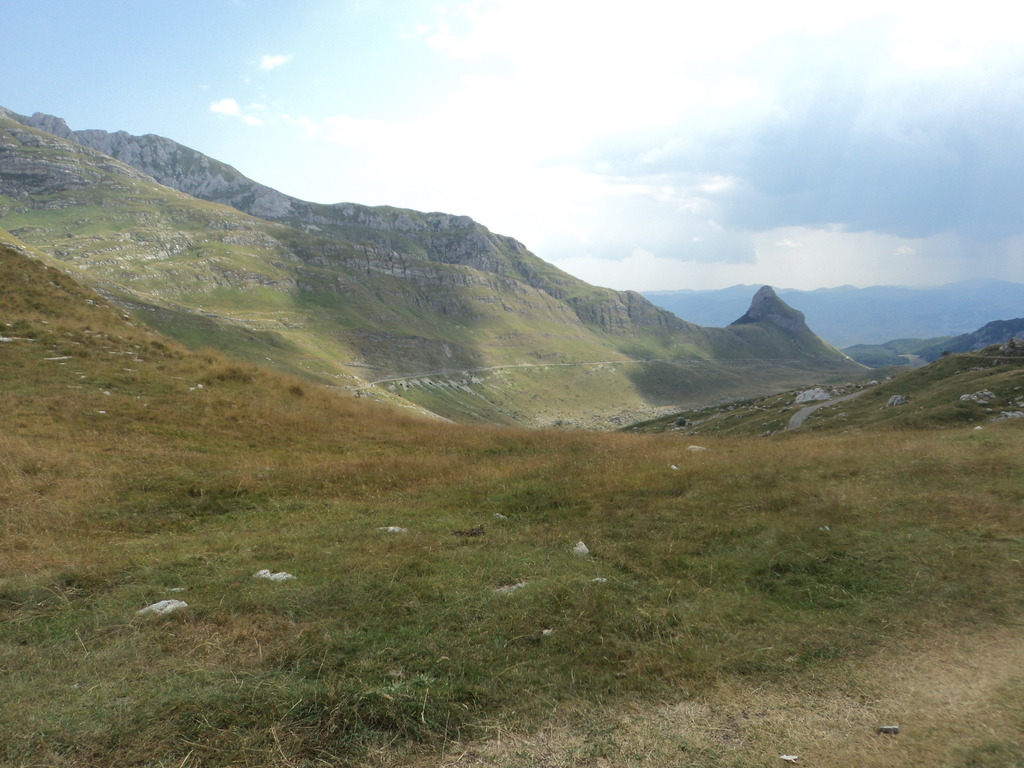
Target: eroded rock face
30	167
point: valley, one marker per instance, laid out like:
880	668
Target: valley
657	573
347	294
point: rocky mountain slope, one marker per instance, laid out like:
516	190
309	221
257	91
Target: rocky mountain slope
355	295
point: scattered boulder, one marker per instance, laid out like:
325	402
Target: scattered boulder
1008	415
982	396
581	549
266	574
889	729
393	529
162	607
813	395
696	448
1013	348
896	400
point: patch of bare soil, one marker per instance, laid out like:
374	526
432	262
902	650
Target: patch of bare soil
958	701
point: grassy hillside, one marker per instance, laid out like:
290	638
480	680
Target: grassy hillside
966	390
137	471
369	294
919	351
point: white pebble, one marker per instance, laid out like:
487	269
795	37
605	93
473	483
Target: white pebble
164	606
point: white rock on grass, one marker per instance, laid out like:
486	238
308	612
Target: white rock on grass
393	529
696	448
164	606
511	587
581	549
266	574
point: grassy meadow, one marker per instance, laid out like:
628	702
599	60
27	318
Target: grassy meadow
756	598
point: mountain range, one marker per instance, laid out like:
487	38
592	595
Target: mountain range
846	316
430	309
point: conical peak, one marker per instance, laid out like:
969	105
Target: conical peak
767	307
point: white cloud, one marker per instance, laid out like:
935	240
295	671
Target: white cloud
830	257
682	145
274	61
310	128
226	106
232	108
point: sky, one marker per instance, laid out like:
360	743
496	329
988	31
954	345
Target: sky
648	145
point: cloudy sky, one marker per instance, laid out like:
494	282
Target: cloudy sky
645	145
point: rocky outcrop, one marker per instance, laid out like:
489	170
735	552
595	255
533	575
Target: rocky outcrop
766	306
31	167
813	396
173	165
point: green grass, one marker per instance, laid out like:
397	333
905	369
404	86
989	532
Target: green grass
134	468
716	571
934	401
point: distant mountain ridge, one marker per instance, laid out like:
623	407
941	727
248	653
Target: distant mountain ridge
353	294
846	316
911	351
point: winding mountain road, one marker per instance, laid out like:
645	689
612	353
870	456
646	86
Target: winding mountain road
798	418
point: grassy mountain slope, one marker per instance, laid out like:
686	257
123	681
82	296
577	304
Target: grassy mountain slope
353	295
933	394
908	351
137	471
